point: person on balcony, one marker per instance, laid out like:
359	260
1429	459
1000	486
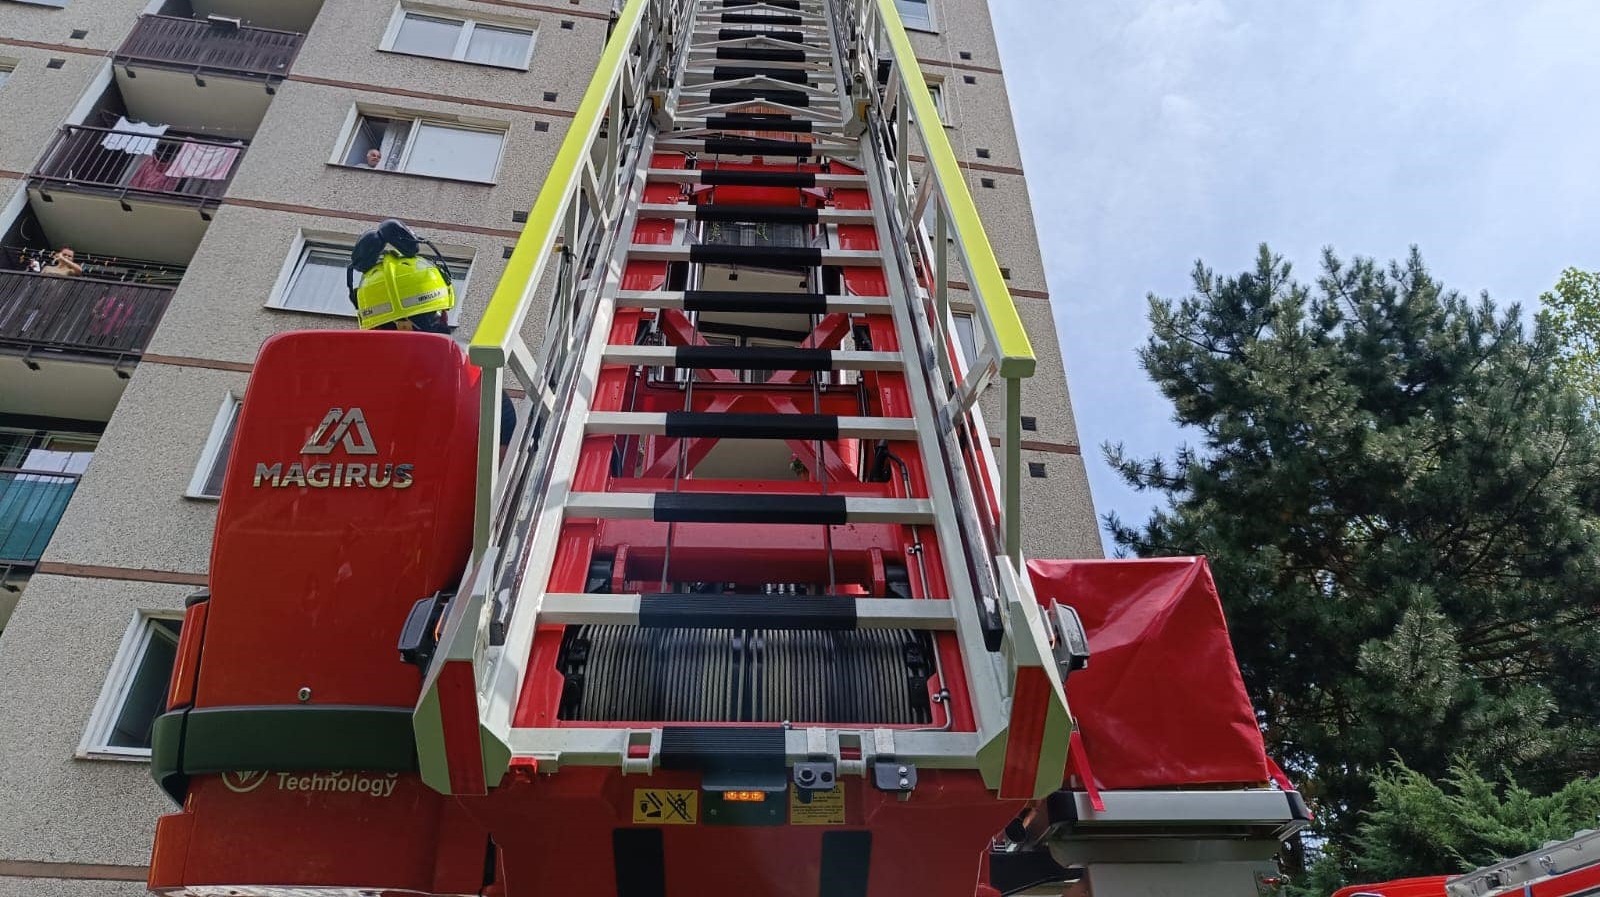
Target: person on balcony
63	264
400	290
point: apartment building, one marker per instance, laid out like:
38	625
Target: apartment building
206	161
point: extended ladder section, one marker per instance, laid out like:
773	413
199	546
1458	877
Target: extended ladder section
755	526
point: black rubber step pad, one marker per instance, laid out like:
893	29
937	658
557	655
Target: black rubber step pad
743	146
761	18
755	303
788	37
732	72
737	121
757	256
772	94
749	507
752	426
758	358
733	177
761	54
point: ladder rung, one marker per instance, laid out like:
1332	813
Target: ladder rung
774	94
737	121
776	4
809	612
735	72
746	146
736	177
753	303
732	212
710	424
788	37
760	358
762	18
762	54
756	256
748	507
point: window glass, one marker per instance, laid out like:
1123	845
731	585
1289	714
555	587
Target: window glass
135	692
5	72
427	36
318	283
145	698
454	152
221	449
967	336
506	47
915	13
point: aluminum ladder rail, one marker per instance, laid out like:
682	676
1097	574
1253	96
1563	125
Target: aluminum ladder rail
656	88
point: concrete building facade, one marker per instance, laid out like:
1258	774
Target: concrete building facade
202	238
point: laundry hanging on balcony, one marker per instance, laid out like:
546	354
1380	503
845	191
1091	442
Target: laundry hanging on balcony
122	137
203	161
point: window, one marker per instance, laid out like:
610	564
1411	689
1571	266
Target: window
314	278
208	474
135	692
416	145
6	69
967	335
463	40
916	13
936	90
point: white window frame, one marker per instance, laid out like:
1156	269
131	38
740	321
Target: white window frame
341	150
933	22
940	99
95	744
226	420
464	40
459	256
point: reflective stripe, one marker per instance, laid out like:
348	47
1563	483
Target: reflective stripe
413	301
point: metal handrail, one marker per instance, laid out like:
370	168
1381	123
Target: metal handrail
79	315
200	45
79	157
902	110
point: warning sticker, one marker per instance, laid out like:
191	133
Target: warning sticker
665	806
825	807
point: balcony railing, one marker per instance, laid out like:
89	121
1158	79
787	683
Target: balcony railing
41	313
31	504
201	45
138	166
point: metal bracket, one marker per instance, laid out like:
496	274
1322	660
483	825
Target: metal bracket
895	777
811	776
1069	642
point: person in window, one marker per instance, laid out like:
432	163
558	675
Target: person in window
63	264
400	290
374	158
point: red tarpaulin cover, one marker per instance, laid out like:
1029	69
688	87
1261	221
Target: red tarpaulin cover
1432	886
1161	704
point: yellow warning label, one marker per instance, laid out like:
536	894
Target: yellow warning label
665	806
824	808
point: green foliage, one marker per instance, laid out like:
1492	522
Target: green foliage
1399	494
1572	311
1418	827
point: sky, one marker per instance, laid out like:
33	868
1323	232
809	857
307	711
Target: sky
1158	132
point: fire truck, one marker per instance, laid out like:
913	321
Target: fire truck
743	608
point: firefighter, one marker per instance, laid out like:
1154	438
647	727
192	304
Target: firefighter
401	290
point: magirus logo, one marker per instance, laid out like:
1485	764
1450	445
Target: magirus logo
340	429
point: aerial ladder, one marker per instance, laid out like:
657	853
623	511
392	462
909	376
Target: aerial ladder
743	609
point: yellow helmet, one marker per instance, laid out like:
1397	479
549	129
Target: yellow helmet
398	287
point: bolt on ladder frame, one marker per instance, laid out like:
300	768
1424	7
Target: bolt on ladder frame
465	735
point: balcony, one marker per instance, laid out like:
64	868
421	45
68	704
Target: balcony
208	75
145	197
31	504
68	344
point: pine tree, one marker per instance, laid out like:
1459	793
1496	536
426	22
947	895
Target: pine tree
1400	498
